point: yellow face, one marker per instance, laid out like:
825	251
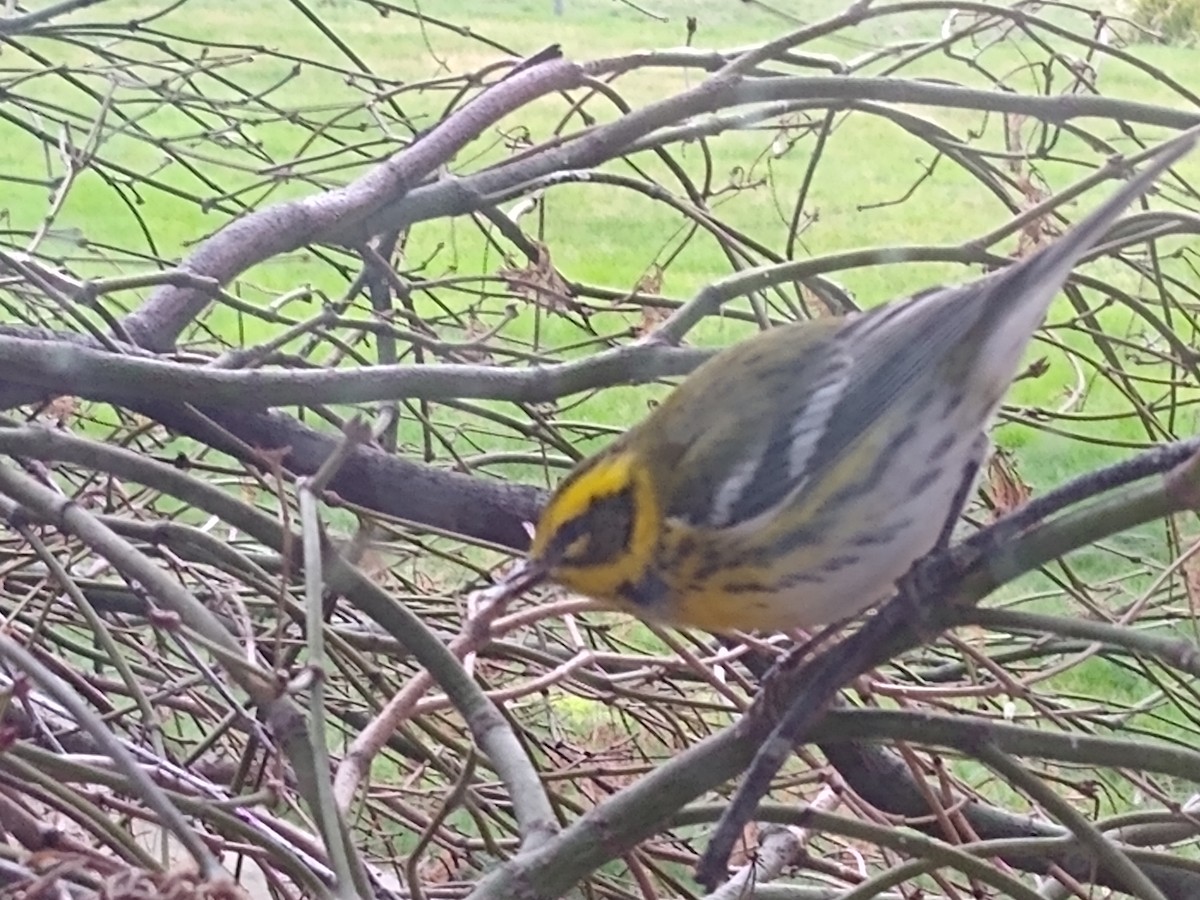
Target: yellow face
599	531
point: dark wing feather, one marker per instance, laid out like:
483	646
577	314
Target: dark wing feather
727	468
774	435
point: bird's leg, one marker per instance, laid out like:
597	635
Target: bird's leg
801	650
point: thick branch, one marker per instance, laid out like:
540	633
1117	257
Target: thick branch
96	374
337	216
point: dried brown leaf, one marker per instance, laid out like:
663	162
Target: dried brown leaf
540	282
1003	485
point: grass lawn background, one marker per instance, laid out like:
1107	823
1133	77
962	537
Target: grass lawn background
599	236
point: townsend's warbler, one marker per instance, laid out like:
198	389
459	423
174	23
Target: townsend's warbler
792	479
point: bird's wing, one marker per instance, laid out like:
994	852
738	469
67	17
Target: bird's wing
775	437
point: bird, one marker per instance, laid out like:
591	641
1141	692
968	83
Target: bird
794	478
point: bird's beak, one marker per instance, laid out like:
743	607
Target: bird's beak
524	575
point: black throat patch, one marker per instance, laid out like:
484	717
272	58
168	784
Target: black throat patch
649	590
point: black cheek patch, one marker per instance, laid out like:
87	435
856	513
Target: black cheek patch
649	590
608	524
566	535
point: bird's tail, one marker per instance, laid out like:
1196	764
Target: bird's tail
1022	293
